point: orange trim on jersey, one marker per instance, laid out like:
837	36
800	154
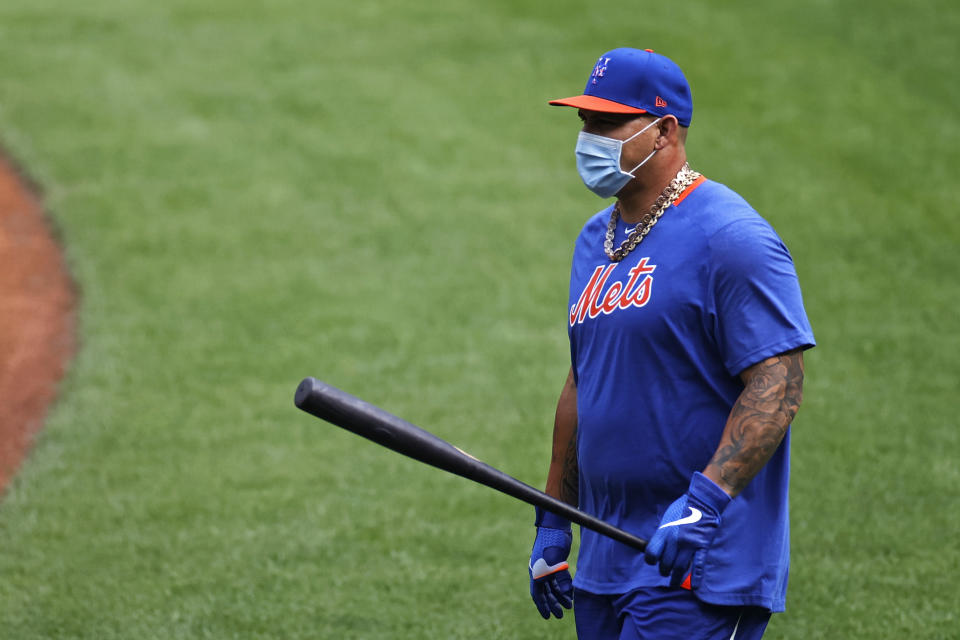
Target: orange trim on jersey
693	185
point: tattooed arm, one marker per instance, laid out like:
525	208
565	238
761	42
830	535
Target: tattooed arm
758	421
563	477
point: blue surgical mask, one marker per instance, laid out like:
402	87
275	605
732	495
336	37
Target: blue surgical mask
598	162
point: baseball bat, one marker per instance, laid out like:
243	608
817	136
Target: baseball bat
364	419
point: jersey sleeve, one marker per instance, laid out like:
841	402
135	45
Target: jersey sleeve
757	304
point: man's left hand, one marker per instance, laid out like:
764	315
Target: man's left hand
688	525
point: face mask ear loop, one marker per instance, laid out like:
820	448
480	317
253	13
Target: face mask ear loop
642	130
644	161
630	173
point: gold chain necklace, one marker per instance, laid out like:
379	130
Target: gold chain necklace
684	178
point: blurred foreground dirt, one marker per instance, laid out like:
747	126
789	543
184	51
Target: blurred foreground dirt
37	301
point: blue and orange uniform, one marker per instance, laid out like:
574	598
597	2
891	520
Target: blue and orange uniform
660	340
712	291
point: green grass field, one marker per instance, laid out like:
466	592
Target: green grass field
376	194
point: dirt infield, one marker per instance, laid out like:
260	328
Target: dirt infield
37	299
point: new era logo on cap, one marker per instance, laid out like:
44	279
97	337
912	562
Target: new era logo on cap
636	81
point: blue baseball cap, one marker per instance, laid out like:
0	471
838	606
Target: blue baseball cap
635	81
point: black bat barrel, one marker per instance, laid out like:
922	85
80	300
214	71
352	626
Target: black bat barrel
364	419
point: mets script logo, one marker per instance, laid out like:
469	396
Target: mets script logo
594	301
600	69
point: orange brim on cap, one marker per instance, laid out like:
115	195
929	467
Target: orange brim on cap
592	103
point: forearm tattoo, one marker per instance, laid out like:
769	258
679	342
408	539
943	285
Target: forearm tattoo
759	419
570	474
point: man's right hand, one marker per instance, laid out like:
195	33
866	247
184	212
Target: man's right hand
550	584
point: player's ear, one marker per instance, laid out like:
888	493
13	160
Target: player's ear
668	130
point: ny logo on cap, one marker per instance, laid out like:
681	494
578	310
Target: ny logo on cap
600	69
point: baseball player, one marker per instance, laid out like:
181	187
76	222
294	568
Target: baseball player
687	330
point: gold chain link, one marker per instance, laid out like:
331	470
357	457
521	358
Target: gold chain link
684	178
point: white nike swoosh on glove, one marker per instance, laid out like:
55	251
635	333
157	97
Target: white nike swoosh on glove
540	568
694	516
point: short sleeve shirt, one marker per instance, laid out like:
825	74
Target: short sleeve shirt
657	343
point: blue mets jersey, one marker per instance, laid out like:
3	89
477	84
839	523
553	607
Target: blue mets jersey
657	342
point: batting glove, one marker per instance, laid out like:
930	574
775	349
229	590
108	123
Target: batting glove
688	525
550	584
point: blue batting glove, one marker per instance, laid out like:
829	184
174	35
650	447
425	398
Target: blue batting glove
550	584
688	525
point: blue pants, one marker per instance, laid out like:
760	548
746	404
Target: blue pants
663	614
